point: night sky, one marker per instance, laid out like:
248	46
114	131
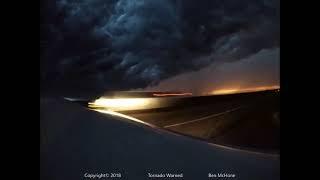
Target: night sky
99	45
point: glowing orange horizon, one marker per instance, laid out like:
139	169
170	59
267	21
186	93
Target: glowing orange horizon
243	90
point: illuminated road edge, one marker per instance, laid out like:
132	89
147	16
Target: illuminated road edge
112	113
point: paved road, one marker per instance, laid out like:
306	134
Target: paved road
249	121
75	141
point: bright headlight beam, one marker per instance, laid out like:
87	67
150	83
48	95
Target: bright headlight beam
118	104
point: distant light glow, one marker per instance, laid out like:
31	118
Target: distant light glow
243	90
171	94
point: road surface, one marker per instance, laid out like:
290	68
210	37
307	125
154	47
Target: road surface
75	141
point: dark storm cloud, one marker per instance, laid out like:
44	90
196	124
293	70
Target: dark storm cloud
123	44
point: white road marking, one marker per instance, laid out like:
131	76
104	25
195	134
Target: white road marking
204	118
